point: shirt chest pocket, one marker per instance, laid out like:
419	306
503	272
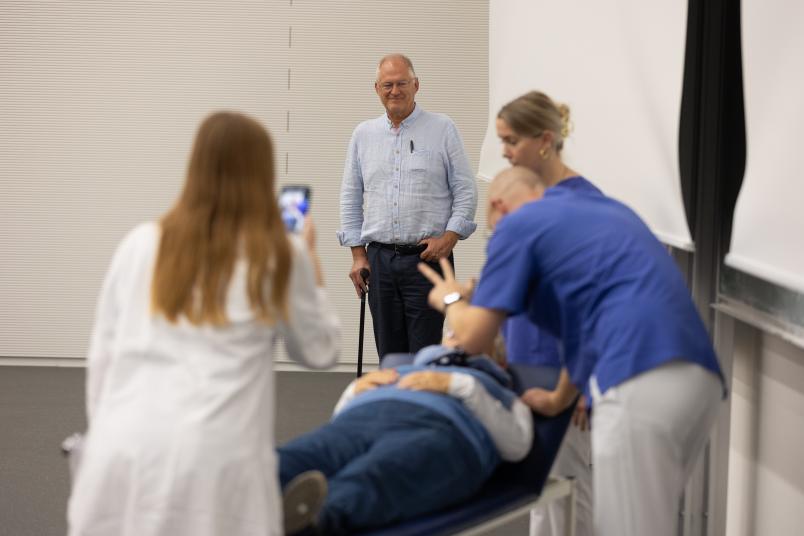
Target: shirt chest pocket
419	162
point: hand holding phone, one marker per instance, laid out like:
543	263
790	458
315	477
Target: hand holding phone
294	201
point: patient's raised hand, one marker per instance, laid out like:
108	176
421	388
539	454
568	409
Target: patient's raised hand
374	379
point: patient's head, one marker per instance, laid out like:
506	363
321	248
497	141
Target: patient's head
511	189
495	351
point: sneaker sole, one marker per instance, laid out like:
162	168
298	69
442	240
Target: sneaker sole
302	500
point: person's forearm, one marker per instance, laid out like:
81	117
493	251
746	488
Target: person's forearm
564	392
359	252
473	327
452	236
312	331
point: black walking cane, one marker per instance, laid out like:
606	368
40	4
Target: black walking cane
364	275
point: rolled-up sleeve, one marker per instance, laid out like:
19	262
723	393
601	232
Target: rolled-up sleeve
462	185
351	197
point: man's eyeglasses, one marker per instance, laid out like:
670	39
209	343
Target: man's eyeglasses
402	85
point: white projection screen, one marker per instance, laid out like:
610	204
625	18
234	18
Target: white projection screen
619	66
768	232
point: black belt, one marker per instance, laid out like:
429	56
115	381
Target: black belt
401	249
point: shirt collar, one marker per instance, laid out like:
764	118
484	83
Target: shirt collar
408	120
575	183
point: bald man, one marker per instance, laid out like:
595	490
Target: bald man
588	270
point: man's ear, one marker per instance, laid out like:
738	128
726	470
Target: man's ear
500	206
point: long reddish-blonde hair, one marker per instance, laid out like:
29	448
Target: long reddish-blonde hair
227	210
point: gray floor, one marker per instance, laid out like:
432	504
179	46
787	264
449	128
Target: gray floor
39	406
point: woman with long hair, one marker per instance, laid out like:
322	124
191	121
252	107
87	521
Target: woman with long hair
180	386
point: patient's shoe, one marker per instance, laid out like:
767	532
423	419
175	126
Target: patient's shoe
302	500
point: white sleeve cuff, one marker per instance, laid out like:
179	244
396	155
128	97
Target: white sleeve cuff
461	386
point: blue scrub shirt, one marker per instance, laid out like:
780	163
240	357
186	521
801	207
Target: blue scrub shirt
525	343
589	271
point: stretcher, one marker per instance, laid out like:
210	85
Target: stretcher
515	488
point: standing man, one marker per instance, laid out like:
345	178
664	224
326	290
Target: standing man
408	195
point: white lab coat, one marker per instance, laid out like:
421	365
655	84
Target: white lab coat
181	417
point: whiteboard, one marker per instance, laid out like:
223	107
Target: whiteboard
768	233
619	66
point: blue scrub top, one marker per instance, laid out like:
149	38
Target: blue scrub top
526	343
589	271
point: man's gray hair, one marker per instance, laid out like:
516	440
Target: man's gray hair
396	56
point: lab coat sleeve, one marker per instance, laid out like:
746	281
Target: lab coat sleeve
312	334
100	346
107	313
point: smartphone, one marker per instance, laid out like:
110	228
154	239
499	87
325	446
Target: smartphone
294	201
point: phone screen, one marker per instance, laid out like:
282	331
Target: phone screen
294	202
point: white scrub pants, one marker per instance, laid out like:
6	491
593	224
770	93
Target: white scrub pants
574	459
646	436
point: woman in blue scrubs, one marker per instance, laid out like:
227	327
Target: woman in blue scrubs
589	271
527	126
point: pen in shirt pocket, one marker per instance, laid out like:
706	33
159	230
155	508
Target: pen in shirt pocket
411	146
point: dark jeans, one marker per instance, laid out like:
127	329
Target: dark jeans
403	321
385	462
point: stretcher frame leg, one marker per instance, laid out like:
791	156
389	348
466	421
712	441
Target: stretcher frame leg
554	489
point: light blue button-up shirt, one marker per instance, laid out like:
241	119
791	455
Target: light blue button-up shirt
403	185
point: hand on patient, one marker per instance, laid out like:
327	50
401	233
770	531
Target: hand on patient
580	417
551	403
374	379
542	401
426	380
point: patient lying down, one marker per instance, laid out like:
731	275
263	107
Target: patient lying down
404	442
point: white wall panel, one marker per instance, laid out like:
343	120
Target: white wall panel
766	478
99	103
100	100
619	67
768	220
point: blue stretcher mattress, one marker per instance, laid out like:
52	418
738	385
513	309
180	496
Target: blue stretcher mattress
513	484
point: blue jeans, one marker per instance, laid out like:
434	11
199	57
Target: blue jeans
385	462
